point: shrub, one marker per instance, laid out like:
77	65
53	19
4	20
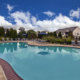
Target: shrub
76	42
59	35
0	38
49	39
55	34
31	34
52	39
68	40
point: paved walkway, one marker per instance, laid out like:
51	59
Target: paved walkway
2	75
6	72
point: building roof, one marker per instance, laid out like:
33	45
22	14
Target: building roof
66	29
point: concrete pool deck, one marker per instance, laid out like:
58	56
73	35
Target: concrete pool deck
2	75
6	72
34	43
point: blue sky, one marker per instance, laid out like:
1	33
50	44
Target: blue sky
40	14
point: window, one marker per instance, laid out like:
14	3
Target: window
77	33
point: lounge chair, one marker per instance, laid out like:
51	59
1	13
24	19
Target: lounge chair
11	39
7	39
3	39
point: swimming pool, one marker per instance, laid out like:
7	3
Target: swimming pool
42	63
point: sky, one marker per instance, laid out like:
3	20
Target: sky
39	15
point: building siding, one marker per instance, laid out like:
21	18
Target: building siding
76	33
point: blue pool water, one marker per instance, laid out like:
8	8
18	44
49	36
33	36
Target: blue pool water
42	63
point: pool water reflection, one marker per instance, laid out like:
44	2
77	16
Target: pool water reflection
42	63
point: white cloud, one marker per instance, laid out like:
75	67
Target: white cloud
49	13
9	7
57	23
75	13
21	17
4	22
28	21
34	20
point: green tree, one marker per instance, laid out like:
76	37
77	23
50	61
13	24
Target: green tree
55	34
2	32
12	33
50	34
70	34
59	35
21	32
7	33
21	29
31	34
15	32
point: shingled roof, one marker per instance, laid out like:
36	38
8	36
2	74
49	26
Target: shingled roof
66	29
